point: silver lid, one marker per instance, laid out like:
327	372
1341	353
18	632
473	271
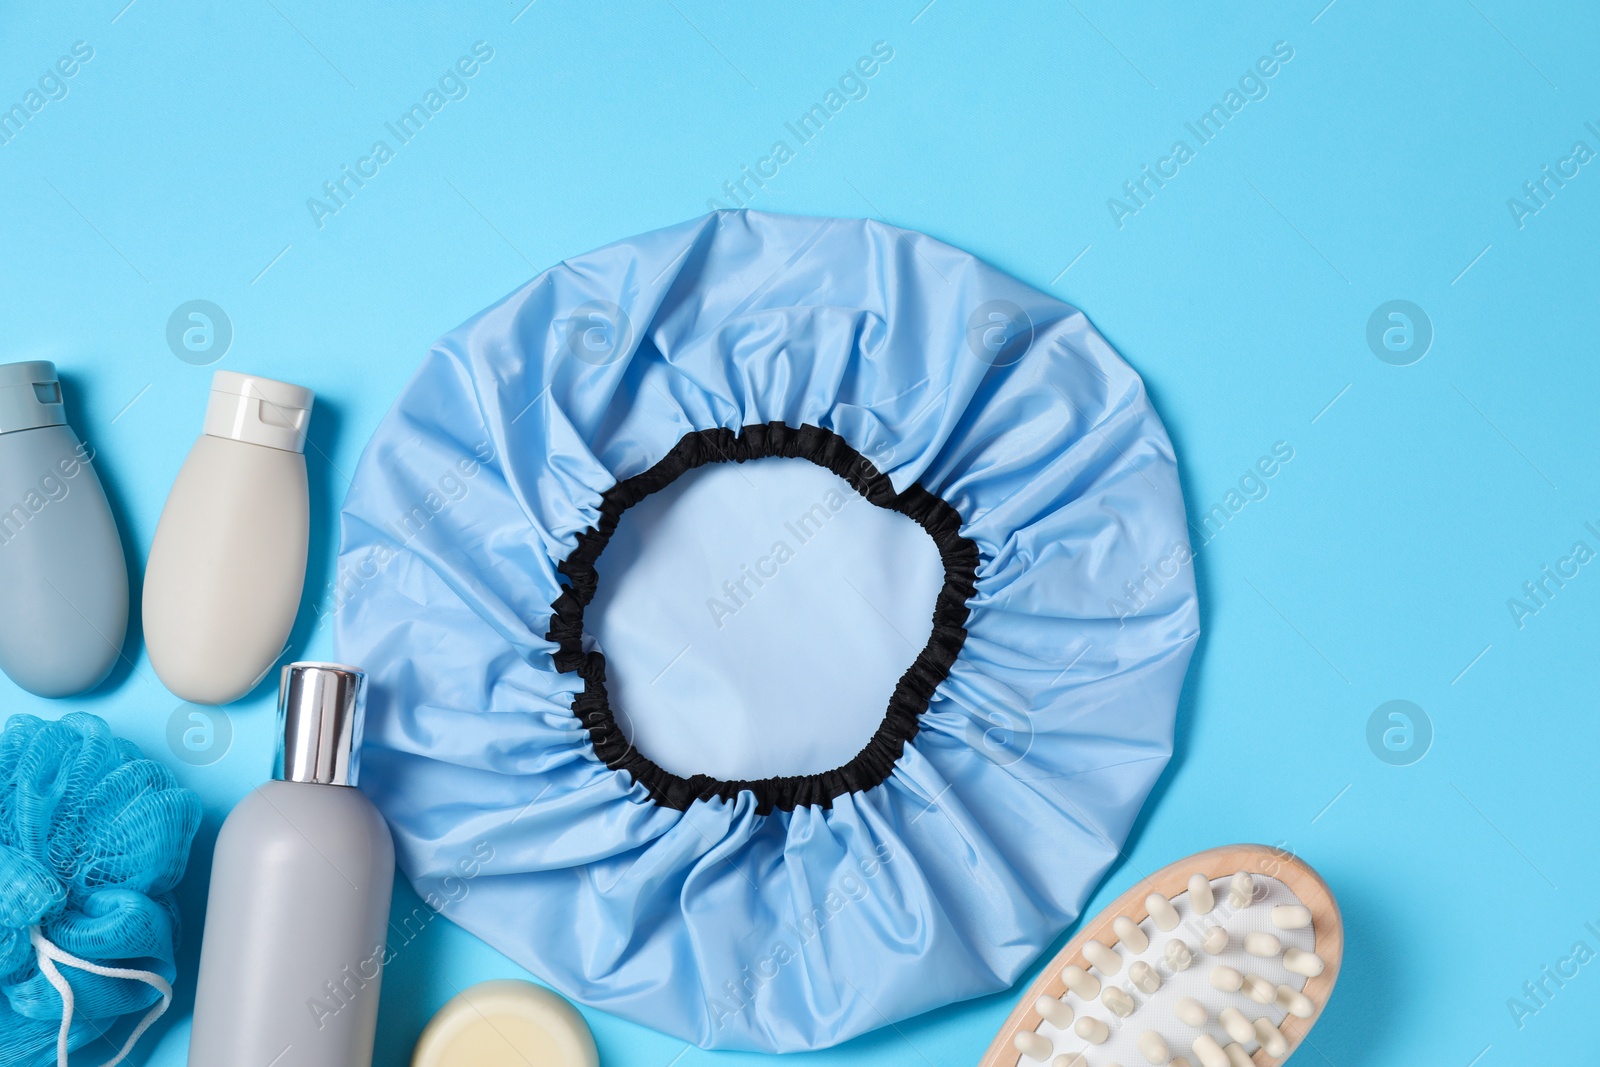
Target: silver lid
321	707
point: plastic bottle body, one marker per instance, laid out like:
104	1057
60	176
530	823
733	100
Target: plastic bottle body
63	577
226	568
296	929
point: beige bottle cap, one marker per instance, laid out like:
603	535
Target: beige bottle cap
506	1023
259	411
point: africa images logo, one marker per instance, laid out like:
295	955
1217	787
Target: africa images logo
451	85
1252	85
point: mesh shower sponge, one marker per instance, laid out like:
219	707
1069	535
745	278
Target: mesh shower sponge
93	838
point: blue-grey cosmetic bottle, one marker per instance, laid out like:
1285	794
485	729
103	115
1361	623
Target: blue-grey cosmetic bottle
63	578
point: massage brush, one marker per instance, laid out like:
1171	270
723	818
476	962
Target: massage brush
1223	959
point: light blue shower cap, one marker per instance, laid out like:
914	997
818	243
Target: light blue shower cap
746	872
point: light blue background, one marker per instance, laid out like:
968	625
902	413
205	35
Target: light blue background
1420	498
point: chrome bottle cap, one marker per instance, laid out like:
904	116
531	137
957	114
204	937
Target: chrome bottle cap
321	708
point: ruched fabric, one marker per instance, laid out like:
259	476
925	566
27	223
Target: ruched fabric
1012	758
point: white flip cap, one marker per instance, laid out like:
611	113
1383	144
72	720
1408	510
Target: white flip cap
259	411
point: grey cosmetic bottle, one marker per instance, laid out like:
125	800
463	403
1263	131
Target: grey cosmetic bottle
63	578
297	919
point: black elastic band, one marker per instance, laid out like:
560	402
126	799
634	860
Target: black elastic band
826	449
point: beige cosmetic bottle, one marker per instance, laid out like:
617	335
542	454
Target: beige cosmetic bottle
222	587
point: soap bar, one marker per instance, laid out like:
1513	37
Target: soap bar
506	1023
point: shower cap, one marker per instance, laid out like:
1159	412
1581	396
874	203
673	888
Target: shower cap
775	625
93	839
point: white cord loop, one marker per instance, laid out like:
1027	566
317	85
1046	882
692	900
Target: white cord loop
50	954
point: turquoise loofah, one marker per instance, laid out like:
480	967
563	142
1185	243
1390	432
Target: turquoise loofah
93	838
